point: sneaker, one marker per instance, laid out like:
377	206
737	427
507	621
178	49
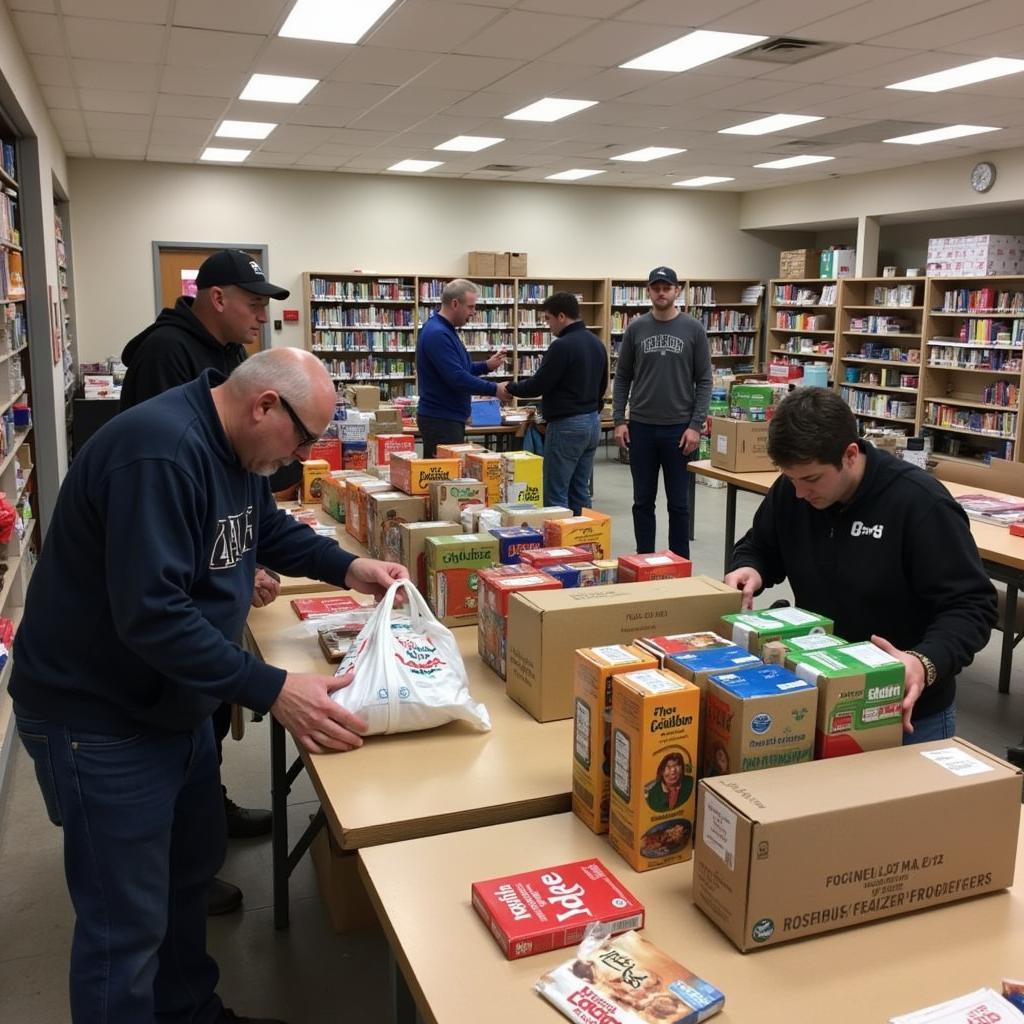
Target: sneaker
230	1017
246	822
222	897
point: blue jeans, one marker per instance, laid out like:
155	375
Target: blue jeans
144	834
569	447
654	449
940	726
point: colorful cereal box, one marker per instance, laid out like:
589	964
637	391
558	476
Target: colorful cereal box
414	475
413	547
449	497
496	587
522	478
313	473
591	531
513	540
661	565
453	570
754	629
486	466
385	513
380	447
357	504
540	558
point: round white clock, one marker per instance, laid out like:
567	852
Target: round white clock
983	176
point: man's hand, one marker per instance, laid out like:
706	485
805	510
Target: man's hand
265	589
496	360
622	435
914	679
304	707
690	441
748	580
503	394
369	576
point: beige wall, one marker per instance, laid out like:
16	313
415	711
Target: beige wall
387	224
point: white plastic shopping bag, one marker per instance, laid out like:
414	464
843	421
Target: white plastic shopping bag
409	673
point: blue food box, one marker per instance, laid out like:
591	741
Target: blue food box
485	412
567	575
514	539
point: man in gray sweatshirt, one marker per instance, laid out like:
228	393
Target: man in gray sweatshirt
664	373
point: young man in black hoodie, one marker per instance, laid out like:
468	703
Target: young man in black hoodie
877	545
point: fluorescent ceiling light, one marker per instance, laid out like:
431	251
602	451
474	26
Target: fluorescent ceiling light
244	129
953	131
415	166
278	88
333	21
766	125
966	74
641	156
572	175
692	50
230	156
469	143
550	109
707	179
794	161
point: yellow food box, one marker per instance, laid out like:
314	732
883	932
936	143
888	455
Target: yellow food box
522	478
314	471
486	466
655	724
414	475
591	735
591	531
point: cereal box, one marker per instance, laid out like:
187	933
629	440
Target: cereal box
655	723
776	652
449	497
593	669
537	911
453	570
459	451
515	514
496	587
353	455
414	475
328	448
485	466
313	473
608	569
522	478
661	565
540	558
513	540
758	717
754	629
591	531
662	647
589	574
357	504
380	447
567	575
413	547
386	511
332	497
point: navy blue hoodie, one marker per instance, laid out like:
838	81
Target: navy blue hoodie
135	609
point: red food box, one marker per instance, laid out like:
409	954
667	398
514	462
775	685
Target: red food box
316	607
328	449
661	565
537	911
496	587
538	558
382	445
1017	529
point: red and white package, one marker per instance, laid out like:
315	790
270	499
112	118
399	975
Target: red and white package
320	607
537	911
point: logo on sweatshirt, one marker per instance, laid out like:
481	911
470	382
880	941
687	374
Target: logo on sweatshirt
858	529
663	343
233	538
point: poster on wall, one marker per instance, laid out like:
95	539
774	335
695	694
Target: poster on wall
188	283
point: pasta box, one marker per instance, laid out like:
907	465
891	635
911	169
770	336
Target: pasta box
453	575
497	585
414	475
659	565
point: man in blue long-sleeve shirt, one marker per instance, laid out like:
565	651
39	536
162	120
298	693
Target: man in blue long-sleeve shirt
447	377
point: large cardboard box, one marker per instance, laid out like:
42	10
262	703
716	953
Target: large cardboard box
522	478
365	397
810	848
592	720
481	264
449	497
515	514
414	475
413	540
655	720
486	466
740	446
591	531
341	888
497	585
517	264
385	513
545	630
453	571
799	263
754	629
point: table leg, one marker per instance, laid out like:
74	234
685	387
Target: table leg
1009	624
730	523
402	1006
279	807
691	486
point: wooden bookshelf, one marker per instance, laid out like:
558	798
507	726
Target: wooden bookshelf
730	311
533	338
628	298
800	326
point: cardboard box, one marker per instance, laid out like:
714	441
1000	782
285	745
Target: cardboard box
448	498
486	466
655	720
777	652
385	513
754	629
313	473
541	558
522	478
380	447
663	647
413	541
740	446
514	540
860	697
517	514
341	888
386	421
591	734
662	565
517	264
414	475
502	264
591	531
365	397
481	264
453	570
750	401
809	848
485	412
355	514
798	263
328	449
758	717
354	455
496	587
459	451
545	630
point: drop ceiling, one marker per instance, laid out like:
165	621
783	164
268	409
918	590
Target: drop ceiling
152	79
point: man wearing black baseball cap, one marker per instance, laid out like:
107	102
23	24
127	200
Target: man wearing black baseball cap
664	373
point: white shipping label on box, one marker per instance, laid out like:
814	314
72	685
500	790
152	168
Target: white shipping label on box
723	444
869	654
615	655
794	616
957	761
720	828
653	681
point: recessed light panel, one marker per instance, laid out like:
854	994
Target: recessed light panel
333	21
692	50
550	109
278	88
794	161
226	156
953	131
469	143
574	174
641	156
707	179
767	125
244	129
415	166
966	74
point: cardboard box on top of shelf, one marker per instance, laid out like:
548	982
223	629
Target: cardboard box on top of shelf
740	446
502	264
413	544
365	397
794	851
799	263
481	264
545	630
517	264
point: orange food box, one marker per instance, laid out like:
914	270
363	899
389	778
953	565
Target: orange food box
459	451
414	475
486	466
357	505
591	531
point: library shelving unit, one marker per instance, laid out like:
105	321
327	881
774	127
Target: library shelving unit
730	311
66	323
364	328
971	374
532	335
878	350
628	298
801	323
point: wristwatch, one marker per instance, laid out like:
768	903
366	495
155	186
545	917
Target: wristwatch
930	671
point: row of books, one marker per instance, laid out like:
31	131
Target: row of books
732	345
430	291
951	444
726	320
1001	392
363	341
883	377
995	424
985	329
948	357
801	295
391	289
808	346
12	281
893	295
10	223
7	158
13	328
881	325
802	321
620	318
982	300
868	403
363	316
358	368
488	341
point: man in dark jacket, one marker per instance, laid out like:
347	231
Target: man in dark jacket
572	378
210	332
877	545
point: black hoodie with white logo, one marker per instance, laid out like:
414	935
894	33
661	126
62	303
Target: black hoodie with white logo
898	561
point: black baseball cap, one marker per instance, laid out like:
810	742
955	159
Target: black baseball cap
233	266
662	274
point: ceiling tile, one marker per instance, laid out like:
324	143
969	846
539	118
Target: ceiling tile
365	139
349	94
456	71
133	150
544	78
203	81
303	57
610	44
117	102
151	11
297	138
614	83
381	66
110	74
114	40
36	6
847	61
325	117
258	16
753	91
775	17
173	152
69	123
262	158
320	162
200	48
679	89
867	20
39	33
947	31
189	106
190	128
438	27
525	35
59	96
583	8
278	113
388	120
1008	43
426	101
680	13
96	120
51	70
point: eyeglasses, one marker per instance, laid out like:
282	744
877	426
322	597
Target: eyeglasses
306	436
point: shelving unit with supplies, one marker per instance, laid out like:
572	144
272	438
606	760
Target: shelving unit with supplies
878	349
730	311
66	316
801	322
